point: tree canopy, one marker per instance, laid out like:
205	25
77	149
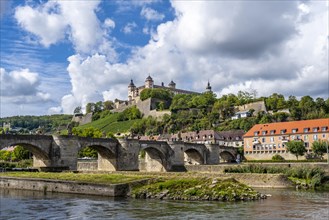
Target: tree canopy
163	94
320	147
297	148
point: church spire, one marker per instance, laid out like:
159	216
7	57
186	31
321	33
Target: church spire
208	88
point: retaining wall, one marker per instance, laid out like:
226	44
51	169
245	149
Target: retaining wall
114	190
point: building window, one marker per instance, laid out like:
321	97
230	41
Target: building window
323	135
306	130
315	129
305	137
255	133
306	144
292	137
280	138
263	140
272	132
315	137
263	132
324	128
279	145
294	130
298	137
272	139
283	131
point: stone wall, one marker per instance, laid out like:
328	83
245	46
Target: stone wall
257	106
268	156
64	186
87	165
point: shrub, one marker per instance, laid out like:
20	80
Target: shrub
277	157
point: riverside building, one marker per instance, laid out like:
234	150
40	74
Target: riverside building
263	141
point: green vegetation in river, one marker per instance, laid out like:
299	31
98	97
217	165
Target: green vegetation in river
196	189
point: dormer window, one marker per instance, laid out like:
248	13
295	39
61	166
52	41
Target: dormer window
315	129
272	132
283	131
306	130
263	132
255	133
294	130
324	128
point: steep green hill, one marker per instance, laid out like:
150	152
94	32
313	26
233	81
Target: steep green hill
110	124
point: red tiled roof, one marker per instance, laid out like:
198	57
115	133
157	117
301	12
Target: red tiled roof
289	126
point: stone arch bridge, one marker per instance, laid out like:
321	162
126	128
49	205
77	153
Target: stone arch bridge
61	152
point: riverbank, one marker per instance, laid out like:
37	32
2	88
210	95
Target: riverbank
186	188
225	187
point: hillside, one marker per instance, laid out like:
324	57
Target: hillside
25	124
110	123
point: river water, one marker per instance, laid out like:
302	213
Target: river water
283	204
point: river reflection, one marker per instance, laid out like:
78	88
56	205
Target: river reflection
283	204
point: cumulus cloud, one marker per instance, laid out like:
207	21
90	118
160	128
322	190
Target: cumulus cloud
54	21
151	14
49	26
21	86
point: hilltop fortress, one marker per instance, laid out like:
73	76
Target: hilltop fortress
148	107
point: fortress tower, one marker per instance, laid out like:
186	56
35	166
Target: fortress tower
149	82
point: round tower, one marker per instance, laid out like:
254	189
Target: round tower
172	85
149	82
131	90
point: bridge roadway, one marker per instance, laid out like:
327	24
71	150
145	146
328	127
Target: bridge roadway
61	152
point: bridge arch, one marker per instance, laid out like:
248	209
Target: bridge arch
226	157
193	157
194	154
154	156
106	150
40	156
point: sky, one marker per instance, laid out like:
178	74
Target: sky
58	55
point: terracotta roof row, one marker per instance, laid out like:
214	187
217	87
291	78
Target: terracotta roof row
298	127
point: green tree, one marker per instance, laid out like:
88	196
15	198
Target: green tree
244	97
108	105
88	152
280	116
275	102
297	148
306	105
90	107
158	93
88	132
5	155
77	110
320	147
20	153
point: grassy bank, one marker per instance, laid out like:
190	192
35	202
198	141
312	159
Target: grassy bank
196	189
80	177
